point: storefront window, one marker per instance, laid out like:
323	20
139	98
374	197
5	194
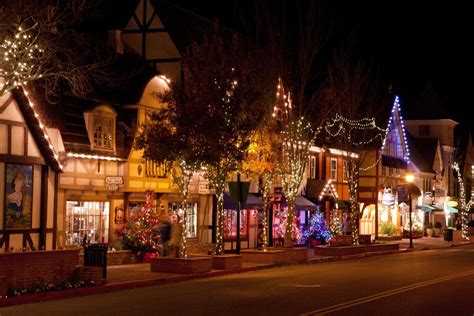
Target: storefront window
191	217
230	224
89	219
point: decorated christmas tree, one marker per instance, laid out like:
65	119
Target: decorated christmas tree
317	228
141	232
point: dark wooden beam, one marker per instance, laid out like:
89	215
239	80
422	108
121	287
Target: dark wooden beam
43	207
13	123
55	209
22	159
25	141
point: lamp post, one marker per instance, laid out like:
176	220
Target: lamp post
409	178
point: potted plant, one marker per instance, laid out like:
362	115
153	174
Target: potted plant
437	229
429	229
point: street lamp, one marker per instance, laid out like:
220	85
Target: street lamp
409	178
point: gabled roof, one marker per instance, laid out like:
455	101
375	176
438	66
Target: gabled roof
396	124
37	130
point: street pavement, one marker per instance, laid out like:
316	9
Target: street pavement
432	282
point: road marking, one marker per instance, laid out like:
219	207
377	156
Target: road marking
363	300
301	285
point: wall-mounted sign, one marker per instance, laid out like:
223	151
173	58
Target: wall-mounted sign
118	180
112	187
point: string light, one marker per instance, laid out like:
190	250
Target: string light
329	187
19	53
41	126
94	157
465	206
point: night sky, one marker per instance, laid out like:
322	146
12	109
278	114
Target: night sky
413	42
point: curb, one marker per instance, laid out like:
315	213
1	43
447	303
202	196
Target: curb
105	288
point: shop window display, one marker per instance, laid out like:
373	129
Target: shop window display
87	221
230	224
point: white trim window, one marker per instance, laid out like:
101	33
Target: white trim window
312	167
333	173
103	132
345	171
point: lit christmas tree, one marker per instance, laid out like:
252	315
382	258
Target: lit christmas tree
141	232
317	228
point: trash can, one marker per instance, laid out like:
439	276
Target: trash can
95	255
448	234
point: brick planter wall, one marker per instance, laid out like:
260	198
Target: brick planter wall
220	262
25	269
181	265
298	254
90	274
260	256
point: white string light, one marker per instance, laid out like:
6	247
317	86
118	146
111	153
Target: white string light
42	127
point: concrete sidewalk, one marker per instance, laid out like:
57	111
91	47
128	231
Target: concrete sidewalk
430	243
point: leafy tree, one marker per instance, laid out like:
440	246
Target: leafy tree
210	118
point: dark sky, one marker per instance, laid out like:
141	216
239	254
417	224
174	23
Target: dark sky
413	42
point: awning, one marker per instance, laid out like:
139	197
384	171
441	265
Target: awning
451	209
252	202
426	208
301	203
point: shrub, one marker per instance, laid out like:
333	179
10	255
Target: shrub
438	225
428	225
388	229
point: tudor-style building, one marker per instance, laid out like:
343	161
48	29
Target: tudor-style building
326	179
29	172
381	210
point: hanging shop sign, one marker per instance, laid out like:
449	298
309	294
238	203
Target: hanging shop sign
388	198
113	182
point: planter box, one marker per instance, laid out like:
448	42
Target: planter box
298	254
343	240
181	265
223	262
259	256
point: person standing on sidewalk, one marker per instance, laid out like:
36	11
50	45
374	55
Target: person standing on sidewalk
164	228
176	241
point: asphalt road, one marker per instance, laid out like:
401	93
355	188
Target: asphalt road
435	282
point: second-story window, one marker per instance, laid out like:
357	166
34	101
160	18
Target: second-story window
100	124
333	169
103	132
312	167
345	171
